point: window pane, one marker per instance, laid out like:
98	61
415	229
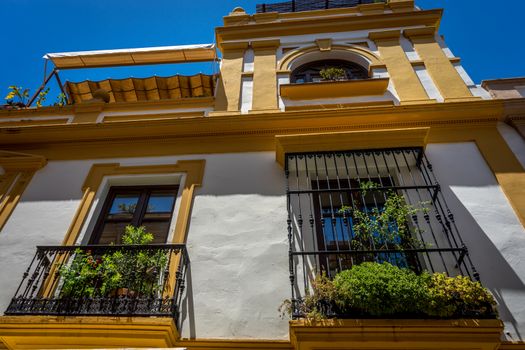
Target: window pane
123	205
159	229
112	232
160	202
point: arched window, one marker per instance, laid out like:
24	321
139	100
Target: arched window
310	72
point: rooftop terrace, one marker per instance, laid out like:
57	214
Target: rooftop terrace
310	5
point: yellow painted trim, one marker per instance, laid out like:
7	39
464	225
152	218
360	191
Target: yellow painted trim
404	78
194	170
448	81
31	122
50	332
19	169
507	345
287	60
315	106
341	141
132	117
396	334
265	75
334	89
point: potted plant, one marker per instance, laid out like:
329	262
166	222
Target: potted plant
16	98
332	74
121	272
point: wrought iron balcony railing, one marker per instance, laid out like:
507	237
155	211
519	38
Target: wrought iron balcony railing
348	207
310	5
104	280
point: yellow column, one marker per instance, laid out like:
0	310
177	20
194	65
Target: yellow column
407	84
439	67
265	75
229	87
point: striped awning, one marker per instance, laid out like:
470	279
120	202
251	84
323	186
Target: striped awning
144	89
130	57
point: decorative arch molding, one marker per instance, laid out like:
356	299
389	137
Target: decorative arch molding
352	53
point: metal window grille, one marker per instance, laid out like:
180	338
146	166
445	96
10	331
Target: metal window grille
327	190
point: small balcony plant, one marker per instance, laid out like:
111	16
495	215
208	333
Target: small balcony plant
133	273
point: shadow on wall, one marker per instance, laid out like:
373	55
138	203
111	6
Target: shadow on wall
495	271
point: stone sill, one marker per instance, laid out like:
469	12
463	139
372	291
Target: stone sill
334	89
361	334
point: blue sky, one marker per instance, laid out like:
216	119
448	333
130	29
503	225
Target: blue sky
486	35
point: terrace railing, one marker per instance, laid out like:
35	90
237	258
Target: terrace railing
310	5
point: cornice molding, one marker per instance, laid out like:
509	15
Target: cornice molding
339	23
479	112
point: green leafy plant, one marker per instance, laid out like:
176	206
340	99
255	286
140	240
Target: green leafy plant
124	271
374	289
315	303
332	73
449	296
61	100
380	290
80	277
17	97
387	227
42	95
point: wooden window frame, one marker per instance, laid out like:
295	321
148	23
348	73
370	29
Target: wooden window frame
140	211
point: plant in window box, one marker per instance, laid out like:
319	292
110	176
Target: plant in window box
382	290
332	74
123	272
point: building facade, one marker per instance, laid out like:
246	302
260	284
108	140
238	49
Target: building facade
241	176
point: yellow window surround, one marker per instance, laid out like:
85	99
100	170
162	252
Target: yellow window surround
194	170
18	168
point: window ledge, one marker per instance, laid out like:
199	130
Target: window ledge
334	89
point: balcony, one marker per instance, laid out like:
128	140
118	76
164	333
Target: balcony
310	5
103	280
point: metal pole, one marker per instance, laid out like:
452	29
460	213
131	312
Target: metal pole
40	88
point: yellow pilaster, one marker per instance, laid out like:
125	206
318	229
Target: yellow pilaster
407	84
229	87
445	76
265	75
